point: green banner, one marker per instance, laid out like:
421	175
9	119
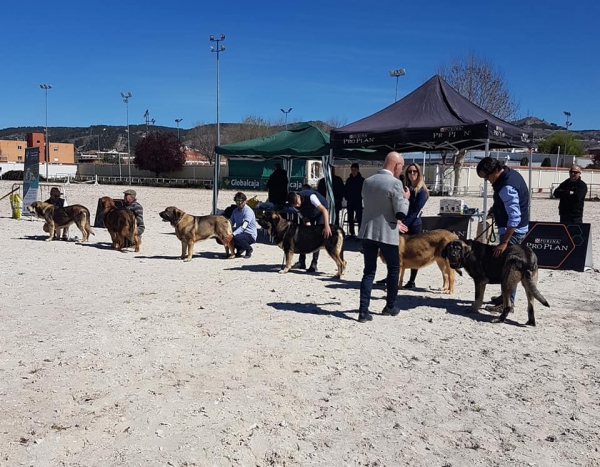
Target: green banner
256	183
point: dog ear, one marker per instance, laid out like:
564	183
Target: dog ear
445	250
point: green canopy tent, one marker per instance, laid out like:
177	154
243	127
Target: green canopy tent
302	141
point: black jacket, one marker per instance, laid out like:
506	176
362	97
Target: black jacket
353	190
338	190
571	205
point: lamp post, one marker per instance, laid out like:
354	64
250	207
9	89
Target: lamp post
126	97
397	74
178	121
567	125
218	49
45	87
286	112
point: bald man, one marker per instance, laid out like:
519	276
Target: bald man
572	194
385	203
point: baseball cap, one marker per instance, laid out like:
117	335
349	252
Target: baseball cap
130	192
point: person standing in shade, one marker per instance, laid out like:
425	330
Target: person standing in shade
385	203
337	185
510	208
312	208
131	204
571	194
354	201
278	186
243	222
418	197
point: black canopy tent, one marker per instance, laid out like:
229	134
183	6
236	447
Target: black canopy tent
434	117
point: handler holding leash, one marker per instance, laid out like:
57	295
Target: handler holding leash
385	203
510	208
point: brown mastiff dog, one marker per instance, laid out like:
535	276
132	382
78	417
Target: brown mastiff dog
191	229
121	225
517	263
61	218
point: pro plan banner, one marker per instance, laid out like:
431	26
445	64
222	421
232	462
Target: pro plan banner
31	178
560	246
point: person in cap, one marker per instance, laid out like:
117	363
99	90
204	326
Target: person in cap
131	204
57	201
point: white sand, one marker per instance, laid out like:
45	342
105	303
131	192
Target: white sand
130	359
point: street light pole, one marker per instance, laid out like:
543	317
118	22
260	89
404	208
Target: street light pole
218	49
286	112
397	74
126	100
178	121
568	124
45	87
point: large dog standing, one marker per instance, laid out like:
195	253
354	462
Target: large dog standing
61	218
121	225
418	251
517	263
191	229
293	238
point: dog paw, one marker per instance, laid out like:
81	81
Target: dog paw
497	320
283	271
186	260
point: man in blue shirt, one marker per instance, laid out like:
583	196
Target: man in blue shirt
510	208
243	222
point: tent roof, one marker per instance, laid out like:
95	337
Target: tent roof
433	117
303	141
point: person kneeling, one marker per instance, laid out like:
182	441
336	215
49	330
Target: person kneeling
243	222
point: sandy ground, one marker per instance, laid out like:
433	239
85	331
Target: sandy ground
132	359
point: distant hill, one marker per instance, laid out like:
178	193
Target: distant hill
85	139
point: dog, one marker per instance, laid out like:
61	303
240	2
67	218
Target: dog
61	218
418	251
517	263
295	238
121	225
191	229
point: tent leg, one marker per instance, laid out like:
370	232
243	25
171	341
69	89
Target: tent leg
216	183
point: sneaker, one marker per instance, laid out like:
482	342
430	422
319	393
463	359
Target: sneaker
364	317
248	255
238	254
409	285
312	268
390	311
299	265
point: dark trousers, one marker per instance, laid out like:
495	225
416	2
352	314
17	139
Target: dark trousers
315	257
414	230
571	220
371	250
354	213
242	242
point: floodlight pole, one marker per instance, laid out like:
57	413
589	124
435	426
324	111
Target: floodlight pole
286	112
45	87
397	74
178	121
126	97
217	159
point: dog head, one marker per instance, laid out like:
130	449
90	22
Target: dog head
107	204
171	215
455	252
270	221
38	208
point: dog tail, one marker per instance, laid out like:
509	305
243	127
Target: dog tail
88	223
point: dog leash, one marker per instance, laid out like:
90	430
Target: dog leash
492	238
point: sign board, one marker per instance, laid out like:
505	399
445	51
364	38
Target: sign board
560	246
31	177
459	225
256	183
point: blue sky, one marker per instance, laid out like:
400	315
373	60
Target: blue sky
324	59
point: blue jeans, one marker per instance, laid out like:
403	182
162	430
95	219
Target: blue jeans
242	241
371	250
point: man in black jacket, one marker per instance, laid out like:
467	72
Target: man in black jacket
571	193
354	201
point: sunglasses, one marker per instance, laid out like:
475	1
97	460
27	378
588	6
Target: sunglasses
574	172
239	201
412	171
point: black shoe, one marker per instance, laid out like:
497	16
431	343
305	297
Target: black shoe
248	255
312	268
496	300
239	254
382	281
390	311
299	265
409	285
364	317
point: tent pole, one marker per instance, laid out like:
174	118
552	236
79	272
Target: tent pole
327	162
530	177
485	209
216	183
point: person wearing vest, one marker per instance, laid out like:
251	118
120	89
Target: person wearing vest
312	207
510	208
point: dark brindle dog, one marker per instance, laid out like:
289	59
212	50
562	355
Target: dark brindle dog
517	263
61	218
294	238
191	229
121	225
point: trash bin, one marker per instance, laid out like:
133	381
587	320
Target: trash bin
15	203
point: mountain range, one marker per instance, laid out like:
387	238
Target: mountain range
106	138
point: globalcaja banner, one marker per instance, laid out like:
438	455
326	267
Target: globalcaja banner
31	177
560	246
256	183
